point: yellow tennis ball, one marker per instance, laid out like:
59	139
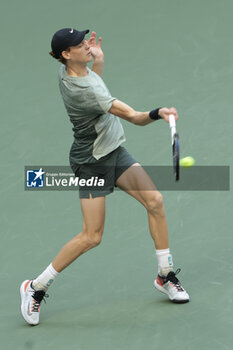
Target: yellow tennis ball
187	162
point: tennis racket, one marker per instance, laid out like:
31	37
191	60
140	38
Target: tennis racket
175	147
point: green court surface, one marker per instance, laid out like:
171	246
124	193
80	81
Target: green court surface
157	53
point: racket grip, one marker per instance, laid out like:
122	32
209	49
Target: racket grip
172	121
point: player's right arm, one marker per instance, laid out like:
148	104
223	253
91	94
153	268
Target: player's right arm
124	111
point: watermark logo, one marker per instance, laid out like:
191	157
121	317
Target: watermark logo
58	179
35	178
62	178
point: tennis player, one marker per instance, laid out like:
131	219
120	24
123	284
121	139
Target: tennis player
97	151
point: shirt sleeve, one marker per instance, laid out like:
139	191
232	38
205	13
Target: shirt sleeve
100	99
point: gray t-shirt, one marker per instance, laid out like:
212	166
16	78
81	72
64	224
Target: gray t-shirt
87	101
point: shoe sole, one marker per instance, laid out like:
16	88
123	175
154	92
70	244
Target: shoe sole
162	290
24	315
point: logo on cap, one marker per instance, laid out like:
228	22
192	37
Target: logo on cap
72	30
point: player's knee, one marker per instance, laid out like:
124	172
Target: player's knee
154	203
94	237
96	240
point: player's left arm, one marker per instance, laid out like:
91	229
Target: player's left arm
126	112
97	54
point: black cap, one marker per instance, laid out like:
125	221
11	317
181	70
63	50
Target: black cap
65	38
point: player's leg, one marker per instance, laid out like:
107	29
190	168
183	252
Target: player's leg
93	210
33	291
136	182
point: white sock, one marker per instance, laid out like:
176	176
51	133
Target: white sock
165	263
45	280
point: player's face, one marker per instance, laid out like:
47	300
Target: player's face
80	53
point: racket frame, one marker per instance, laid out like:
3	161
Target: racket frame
175	147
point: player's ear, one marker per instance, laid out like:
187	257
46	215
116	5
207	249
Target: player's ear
66	54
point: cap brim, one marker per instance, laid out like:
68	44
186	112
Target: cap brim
80	37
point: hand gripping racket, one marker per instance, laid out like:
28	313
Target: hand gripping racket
175	147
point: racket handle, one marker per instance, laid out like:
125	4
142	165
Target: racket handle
172	121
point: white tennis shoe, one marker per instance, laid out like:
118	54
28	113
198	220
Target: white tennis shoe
171	286
31	302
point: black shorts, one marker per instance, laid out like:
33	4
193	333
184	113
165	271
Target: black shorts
99	178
